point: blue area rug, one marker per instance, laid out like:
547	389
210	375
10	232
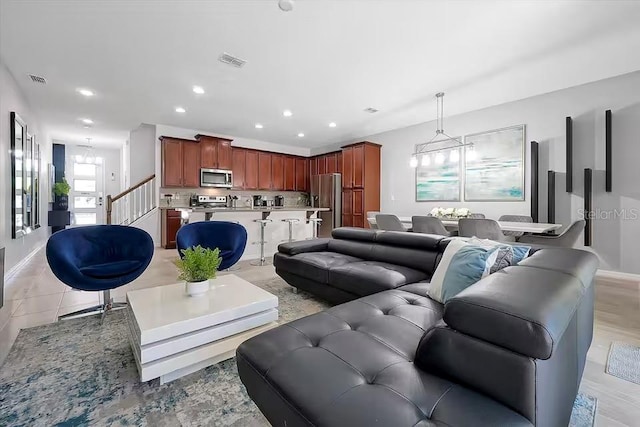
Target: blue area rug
79	373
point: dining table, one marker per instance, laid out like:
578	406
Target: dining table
523	227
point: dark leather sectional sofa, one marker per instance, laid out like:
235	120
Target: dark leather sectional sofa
509	350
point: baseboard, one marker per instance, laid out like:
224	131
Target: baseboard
12	272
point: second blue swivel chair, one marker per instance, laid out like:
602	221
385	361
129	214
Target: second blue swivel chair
229	237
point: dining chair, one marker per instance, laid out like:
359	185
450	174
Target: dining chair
372	215
567	239
477	215
515	218
482	228
428	225
389	223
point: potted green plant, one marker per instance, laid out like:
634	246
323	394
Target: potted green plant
196	267
61	191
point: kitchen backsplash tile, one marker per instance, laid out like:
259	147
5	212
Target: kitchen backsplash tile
180	196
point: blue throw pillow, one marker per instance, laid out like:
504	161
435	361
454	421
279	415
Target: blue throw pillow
470	264
520	253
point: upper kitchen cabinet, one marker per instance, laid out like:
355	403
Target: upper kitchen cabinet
180	162
289	173
277	172
190	164
264	171
238	163
251	170
215	153
171	162
302	174
331	164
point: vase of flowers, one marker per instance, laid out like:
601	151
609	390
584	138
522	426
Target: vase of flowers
450	213
196	267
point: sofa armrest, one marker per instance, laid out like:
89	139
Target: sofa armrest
294	248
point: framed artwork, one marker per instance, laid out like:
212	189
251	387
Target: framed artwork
438	176
494	165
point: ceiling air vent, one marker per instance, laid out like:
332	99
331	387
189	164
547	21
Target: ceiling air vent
232	60
38	79
370	110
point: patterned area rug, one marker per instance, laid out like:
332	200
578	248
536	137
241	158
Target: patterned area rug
79	373
624	361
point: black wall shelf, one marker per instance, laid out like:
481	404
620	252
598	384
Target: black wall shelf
588	183
608	152
535	184
569	152
551	197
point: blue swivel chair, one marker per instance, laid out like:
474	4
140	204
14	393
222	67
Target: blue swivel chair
99	258
229	237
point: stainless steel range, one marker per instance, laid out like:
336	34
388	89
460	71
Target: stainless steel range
211	202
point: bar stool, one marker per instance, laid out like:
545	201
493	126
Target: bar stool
316	223
291	221
263	223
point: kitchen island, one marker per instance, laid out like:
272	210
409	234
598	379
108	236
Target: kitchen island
276	232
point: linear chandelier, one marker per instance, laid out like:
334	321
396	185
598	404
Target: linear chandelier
441	137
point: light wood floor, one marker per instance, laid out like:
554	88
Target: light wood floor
35	297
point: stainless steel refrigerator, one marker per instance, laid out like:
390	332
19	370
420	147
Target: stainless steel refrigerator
326	192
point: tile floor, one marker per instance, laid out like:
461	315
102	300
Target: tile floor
34	297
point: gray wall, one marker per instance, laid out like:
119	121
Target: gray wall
615	240
11	99
142	162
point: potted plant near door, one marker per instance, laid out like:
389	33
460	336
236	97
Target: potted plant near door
61	192
196	267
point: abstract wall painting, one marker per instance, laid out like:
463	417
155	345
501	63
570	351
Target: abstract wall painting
494	165
438	176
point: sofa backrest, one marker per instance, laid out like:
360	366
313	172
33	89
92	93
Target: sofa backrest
520	335
418	251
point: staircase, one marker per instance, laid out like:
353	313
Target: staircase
132	204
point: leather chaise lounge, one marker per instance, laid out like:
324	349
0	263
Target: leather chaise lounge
509	350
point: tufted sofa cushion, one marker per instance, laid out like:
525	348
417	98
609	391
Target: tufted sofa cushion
353	365
369	277
314	264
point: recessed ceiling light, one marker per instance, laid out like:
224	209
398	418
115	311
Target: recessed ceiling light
87	121
301	135
332	125
85	92
198	89
259	126
180	110
287	113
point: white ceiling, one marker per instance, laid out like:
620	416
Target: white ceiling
325	60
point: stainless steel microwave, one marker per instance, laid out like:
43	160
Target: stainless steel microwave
216	178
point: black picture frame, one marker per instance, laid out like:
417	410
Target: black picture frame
569	153
608	152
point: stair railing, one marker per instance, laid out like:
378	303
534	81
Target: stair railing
133	203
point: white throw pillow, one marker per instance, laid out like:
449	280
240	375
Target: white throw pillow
437	280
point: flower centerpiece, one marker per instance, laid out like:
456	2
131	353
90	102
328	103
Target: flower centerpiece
450	213
196	267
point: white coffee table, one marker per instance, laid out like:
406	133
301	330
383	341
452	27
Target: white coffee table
173	334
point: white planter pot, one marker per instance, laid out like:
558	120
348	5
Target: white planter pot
195	289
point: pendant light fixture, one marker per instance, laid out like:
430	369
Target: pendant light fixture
441	137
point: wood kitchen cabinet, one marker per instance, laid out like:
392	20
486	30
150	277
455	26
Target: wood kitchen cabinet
339	161
331	164
171	223
302	174
313	166
191	164
251	170
289	173
215	153
322	165
360	182
264	171
238	163
171	162
277	172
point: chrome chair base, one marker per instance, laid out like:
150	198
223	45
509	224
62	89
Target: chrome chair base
106	306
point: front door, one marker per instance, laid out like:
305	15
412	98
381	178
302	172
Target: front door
87	192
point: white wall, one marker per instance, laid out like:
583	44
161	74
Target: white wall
11	99
616	241
141	159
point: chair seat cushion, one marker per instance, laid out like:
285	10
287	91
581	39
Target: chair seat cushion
369	277
109	270
313	265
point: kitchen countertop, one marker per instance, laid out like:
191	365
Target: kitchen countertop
246	209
